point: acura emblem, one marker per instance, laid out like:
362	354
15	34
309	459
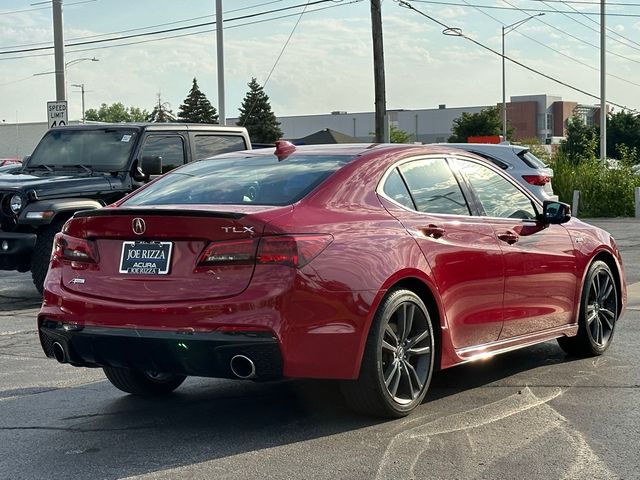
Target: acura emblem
138	226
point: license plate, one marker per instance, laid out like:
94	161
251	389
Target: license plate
145	258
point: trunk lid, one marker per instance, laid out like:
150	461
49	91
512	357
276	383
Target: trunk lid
185	235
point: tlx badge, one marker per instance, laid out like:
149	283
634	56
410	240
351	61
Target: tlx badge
238	230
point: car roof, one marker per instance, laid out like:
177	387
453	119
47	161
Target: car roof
155	127
347	149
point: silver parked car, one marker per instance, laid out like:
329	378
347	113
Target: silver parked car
519	162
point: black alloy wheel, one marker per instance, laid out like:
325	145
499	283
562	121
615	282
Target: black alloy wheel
598	313
398	360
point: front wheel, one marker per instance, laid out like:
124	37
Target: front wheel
398	360
143	383
41	255
598	313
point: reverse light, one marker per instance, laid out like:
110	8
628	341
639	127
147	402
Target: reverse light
537	180
238	252
74	249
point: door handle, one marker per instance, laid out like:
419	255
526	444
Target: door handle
509	237
432	231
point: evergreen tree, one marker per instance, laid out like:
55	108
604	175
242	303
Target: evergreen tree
197	108
256	115
161	112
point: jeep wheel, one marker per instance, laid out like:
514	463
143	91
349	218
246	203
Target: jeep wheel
42	253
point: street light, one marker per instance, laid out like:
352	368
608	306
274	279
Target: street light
506	29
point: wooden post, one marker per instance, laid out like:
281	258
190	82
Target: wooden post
637	202
575	203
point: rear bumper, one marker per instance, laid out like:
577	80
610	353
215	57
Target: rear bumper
195	354
19	246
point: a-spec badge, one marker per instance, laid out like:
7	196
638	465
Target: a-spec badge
237	230
76	281
138	226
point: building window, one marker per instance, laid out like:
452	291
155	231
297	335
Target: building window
550	121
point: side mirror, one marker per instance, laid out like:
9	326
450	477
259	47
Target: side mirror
151	166
555	213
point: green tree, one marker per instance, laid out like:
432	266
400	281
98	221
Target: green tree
581	143
115	113
486	122
623	130
257	117
161	112
196	108
399	136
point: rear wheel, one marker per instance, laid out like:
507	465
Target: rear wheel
598	313
143	383
398	360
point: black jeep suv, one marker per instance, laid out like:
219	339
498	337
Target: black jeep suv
86	167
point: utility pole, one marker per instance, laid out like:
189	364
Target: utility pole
603	90
220	60
58	46
378	70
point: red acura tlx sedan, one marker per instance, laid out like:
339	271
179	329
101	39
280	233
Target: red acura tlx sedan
373	264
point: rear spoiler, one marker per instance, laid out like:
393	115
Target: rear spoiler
148	212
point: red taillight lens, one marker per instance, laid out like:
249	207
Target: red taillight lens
74	249
537	180
239	252
293	250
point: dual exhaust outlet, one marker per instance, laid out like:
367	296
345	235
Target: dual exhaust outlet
241	365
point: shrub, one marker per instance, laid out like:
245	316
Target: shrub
604	192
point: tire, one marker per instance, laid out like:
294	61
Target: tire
598	313
41	255
143	383
398	362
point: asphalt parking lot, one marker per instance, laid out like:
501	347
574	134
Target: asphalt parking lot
534	413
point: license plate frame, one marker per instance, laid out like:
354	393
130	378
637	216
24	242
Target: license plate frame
145	261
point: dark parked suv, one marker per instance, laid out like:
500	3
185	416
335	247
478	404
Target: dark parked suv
87	167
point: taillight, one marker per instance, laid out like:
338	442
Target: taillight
238	252
537	180
292	250
74	249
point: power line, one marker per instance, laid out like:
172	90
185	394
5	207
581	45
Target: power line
598	23
458	32
577	2
535	10
45	8
284	47
144	28
581	40
187	34
168	30
573	59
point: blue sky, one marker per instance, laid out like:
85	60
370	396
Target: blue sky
328	62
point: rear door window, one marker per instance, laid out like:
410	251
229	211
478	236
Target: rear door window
169	147
433	187
209	145
497	195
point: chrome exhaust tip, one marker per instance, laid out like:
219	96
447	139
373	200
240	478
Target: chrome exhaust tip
59	353
242	367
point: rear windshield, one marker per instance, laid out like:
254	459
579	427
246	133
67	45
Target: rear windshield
106	150
259	180
531	160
